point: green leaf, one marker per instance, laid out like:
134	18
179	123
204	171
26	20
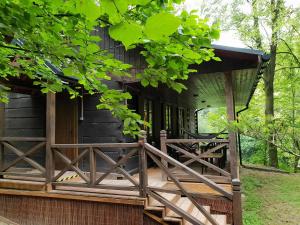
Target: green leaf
128	33
161	25
89	8
139	2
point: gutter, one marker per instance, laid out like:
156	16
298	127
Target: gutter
263	60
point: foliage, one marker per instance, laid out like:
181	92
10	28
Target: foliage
62	32
270	198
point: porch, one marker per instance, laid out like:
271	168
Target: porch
190	190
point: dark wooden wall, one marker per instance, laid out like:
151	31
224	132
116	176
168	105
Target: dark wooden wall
47	211
24	116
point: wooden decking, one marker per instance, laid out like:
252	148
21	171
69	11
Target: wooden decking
14	185
70	177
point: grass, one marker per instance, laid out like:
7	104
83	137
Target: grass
270	198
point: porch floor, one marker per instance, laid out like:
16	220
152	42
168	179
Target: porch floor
114	180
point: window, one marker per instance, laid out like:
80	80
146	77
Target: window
148	116
188	120
168	119
181	122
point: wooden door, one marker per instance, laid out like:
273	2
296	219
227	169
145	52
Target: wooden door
66	126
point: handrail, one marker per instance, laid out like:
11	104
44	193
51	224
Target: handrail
194	141
97	145
188	170
198	159
153	152
29	139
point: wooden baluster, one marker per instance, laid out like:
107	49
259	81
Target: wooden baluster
92	167
50	135
143	176
163	147
237	202
2	133
1	159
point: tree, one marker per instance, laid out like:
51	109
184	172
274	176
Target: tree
262	28
59	31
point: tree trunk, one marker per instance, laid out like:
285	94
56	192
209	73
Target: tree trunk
296	163
269	105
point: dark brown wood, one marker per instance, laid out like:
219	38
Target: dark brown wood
195	141
229	93
98	186
143	176
93	167
22	176
27	139
196	158
23	157
163	147
80	156
116	166
188	170
113	146
77	195
50	135
68	163
184	191
236	202
66	120
77	210
2	133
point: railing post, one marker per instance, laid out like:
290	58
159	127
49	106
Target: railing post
163	147
2	128
1	159
50	136
92	166
143	176
237	202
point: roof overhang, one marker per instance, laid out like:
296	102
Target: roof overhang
206	87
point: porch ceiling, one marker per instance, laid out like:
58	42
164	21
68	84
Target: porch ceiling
208	90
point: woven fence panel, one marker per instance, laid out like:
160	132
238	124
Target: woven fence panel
47	211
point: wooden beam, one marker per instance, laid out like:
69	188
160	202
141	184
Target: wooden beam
50	135
163	147
236	201
2	132
229	94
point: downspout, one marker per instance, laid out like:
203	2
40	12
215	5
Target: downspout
196	119
262	60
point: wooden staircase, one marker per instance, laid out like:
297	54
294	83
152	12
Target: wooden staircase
164	215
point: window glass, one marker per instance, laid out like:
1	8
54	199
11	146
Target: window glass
181	122
148	116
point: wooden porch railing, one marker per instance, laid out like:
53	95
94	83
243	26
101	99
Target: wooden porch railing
9	144
91	177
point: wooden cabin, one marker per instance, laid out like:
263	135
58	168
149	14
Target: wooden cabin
64	162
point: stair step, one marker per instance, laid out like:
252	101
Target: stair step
221	219
185	204
198	215
154	208
173	220
170	197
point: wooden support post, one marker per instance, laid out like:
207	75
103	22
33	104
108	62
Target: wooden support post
92	166
229	92
50	135
163	147
2	127
143	176
236	201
